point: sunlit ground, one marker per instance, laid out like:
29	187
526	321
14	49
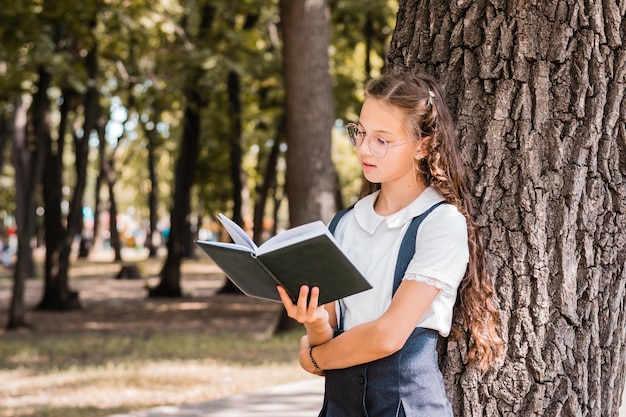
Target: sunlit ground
124	352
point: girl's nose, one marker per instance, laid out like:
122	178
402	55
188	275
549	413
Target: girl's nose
364	148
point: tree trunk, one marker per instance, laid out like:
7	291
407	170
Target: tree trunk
277	197
368	33
263	189
52	190
236	152
309	110
5	135
537	89
237	175
57	294
169	285
100	179
110	177
55	289
116	241
28	169
153	198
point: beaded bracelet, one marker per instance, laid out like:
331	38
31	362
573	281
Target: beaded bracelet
317	368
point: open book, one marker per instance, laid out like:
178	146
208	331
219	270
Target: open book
306	254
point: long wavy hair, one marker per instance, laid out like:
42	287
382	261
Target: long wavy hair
426	114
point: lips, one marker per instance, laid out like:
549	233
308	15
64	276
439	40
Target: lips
367	166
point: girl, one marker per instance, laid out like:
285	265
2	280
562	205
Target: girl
377	349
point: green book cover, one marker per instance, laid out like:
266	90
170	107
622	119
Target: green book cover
316	262
307	254
243	269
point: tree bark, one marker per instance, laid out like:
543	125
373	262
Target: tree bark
537	90
309	110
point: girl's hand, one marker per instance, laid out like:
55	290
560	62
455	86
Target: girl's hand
305	311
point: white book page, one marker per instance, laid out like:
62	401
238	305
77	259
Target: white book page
239	235
295	234
231	246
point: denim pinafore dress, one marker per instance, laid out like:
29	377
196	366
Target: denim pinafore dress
405	384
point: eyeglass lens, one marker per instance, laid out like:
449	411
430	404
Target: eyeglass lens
377	146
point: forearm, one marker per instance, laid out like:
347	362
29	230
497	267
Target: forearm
349	349
361	344
318	333
381	337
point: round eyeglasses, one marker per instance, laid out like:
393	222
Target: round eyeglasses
377	145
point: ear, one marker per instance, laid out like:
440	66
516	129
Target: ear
422	148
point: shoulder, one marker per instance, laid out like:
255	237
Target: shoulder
431	197
446	224
449	213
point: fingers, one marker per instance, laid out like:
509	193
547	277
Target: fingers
291	308
303	298
307	304
313	301
285	298
305	308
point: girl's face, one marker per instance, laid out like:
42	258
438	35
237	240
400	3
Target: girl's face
380	120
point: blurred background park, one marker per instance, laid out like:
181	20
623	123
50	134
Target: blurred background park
126	126
132	124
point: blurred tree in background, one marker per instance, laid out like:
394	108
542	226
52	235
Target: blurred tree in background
133	123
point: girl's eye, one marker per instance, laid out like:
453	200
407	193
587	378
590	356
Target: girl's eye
381	141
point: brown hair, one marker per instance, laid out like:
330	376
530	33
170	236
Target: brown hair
419	97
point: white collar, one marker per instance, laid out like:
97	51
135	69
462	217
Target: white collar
369	220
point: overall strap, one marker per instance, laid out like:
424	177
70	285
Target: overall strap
335	221
407	247
332	226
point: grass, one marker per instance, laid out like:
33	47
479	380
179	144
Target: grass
80	375
123	352
66	351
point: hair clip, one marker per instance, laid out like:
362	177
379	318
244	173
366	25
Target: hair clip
431	96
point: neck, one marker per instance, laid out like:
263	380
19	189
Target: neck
394	197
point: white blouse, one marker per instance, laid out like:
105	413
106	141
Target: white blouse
372	242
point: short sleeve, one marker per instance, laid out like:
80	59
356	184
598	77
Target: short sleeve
442	286
441	249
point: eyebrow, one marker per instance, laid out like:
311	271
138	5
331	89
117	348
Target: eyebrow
377	131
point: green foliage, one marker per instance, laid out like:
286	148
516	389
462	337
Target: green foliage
356	24
149	50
